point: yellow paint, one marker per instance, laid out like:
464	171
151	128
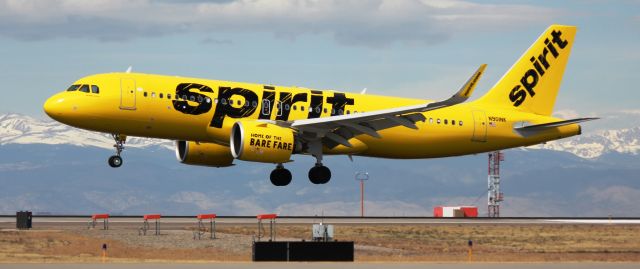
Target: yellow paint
263	143
473	127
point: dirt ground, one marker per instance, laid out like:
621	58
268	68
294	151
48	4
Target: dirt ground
60	242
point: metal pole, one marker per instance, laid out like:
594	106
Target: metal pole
362	198
362	176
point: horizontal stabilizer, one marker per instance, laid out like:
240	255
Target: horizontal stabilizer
530	130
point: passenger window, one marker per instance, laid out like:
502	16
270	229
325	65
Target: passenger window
333	111
453	122
325	110
438	121
224	101
340	111
184	97
279	109
460	123
431	120
145	94
208	100
295	107
266	107
215	101
84	88
168	96
286	107
199	99
446	121
73	88
301	108
94	89
153	95
161	95
348	112
318	110
254	104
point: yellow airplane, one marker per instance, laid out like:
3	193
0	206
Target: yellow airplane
215	122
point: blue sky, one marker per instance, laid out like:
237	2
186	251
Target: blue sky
422	49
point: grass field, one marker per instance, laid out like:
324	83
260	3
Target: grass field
375	242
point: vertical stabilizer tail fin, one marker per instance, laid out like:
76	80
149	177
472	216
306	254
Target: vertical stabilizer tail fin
533	82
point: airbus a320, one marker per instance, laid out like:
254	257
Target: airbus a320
215	122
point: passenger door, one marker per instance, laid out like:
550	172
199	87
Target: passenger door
128	94
479	126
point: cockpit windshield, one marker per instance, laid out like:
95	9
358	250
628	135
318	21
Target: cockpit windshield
84	88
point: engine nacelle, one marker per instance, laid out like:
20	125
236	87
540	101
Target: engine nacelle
261	142
205	154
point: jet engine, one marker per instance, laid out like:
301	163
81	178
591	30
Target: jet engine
261	142
205	154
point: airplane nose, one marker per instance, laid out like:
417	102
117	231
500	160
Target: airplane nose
52	106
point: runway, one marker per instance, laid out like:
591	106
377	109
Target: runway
338	220
381	242
331	265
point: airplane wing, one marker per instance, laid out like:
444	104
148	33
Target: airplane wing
530	130
339	129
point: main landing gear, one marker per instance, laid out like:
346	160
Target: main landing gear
281	176
319	174
115	161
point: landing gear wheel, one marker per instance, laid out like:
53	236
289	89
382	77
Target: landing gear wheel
280	176
115	161
319	174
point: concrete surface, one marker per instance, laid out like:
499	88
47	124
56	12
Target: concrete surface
332	265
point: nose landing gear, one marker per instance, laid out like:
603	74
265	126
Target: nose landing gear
115	161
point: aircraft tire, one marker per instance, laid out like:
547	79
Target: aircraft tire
319	174
115	161
281	177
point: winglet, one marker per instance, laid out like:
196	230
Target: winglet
129	69
467	88
462	95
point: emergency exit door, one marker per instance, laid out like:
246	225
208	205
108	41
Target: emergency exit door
479	126
128	94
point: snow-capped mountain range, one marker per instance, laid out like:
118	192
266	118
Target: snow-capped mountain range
590	146
20	129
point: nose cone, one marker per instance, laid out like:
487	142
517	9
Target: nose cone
53	106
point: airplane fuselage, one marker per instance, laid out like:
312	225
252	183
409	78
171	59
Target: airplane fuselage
191	109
